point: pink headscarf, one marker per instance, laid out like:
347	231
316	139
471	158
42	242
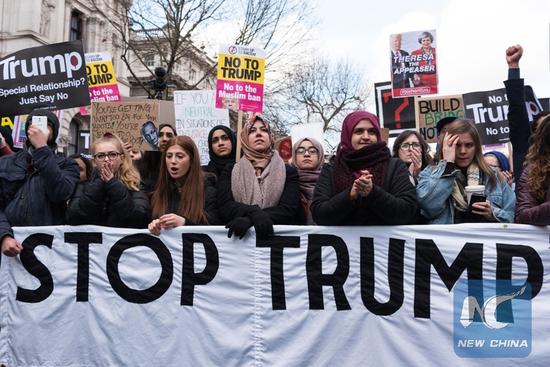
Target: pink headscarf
349	124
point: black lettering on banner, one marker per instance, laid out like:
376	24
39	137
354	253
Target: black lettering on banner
316	279
470	259
277	245
395	276
35	268
190	278
156	290
83	240
535	273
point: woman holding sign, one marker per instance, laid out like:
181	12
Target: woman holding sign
182	196
111	197
363	185
460	187
533	205
259	190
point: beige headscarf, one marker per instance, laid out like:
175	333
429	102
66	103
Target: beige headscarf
248	188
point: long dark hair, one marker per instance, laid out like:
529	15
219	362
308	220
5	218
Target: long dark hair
192	196
426	159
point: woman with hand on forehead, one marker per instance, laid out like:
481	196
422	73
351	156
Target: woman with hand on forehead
459	163
363	185
308	158
111	197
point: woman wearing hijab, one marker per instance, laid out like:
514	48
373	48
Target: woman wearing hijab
459	163
182	196
259	190
533	201
307	158
111	197
363	185
222	145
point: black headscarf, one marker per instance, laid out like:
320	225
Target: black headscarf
217	164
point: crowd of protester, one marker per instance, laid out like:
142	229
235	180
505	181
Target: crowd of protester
364	183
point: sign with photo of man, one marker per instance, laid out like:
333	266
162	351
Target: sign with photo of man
133	122
413	63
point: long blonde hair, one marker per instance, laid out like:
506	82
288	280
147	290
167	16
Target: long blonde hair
127	174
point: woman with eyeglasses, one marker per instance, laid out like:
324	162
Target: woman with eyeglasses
259	190
182	196
412	149
460	187
363	184
308	158
111	197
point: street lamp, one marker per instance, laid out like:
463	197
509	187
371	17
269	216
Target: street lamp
159	84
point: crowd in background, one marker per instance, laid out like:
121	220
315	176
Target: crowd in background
364	183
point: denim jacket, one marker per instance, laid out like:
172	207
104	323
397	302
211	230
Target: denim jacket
434	191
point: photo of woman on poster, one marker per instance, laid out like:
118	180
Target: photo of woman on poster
427	77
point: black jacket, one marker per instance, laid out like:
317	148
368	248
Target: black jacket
392	203
34	188
210	201
286	212
518	121
108	204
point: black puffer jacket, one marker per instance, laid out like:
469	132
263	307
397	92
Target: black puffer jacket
286	212
108	204
210	201
392	203
34	188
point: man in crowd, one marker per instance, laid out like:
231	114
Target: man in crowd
35	183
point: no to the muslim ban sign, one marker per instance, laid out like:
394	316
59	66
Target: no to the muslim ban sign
196	115
51	76
240	74
133	122
101	79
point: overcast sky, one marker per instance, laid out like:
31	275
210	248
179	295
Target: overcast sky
472	36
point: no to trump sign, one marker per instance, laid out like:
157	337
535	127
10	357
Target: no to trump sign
240	83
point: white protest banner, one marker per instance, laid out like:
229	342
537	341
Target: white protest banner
318	296
196	114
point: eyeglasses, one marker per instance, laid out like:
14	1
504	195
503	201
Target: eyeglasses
310	150
103	156
406	146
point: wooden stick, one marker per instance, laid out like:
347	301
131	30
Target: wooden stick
239	129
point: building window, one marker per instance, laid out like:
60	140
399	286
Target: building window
192	75
149	60
74	133
76	26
